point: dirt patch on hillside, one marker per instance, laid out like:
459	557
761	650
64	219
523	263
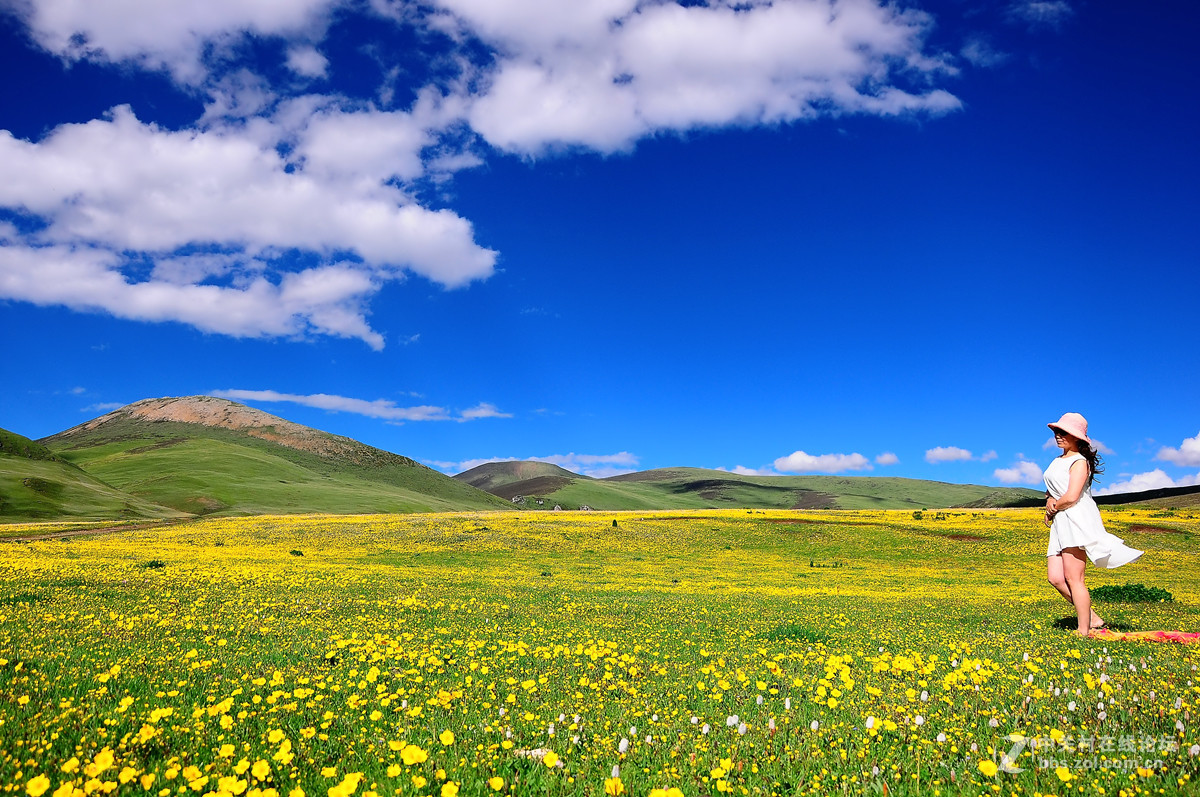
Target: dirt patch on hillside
811	499
221	413
1155	530
963	537
539	486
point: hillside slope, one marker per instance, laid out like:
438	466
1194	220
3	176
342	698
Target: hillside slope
37	485
698	488
207	455
511	479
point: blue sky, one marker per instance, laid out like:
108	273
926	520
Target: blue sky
791	237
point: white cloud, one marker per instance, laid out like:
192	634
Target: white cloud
307	60
603	74
106	406
1041	13
377	408
887	458
800	462
1019	473
988	456
598	466
1151	480
1187	455
946	454
112	187
196	225
483	410
162	35
979	52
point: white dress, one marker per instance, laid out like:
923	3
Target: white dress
1080	526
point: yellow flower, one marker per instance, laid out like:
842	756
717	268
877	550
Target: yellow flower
613	787
496	783
296	792
674	791
1063	773
275	736
450	789
658	793
446	738
261	769
989	768
70	765
550	758
393	770
413	755
65	790
419	781
329	772
37	786
147	780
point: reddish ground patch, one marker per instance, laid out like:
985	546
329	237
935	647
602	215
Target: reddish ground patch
1154	530
964	537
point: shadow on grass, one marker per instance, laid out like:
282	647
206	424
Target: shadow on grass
1071	623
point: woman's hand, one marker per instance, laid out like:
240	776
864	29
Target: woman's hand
1051	511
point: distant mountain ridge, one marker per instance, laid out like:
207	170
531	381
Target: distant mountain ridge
206	455
700	488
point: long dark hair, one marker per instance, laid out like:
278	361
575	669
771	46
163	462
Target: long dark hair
1095	463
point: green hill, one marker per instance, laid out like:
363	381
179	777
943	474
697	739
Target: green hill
37	485
511	479
698	488
205	455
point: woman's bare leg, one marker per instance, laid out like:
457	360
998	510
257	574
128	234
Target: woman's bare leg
1074	562
1056	576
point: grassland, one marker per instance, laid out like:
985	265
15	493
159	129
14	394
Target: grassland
694	653
267	466
34	484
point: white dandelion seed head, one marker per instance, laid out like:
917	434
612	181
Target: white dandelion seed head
918	720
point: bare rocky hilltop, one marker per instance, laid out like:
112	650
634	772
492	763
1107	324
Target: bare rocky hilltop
219	413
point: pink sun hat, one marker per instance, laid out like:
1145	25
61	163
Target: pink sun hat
1073	424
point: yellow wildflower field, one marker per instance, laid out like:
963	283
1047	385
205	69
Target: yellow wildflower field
739	652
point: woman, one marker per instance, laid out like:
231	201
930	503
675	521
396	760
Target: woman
1074	520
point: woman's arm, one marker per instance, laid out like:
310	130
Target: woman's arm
1074	491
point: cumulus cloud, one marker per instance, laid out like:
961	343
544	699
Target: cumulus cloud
1187	455
162	35
988	456
598	466
307	60
115	193
603	74
887	458
376	408
284	214
1151	480
946	454
1019	473
801	462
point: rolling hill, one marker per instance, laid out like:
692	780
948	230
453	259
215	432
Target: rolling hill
205	455
698	488
37	485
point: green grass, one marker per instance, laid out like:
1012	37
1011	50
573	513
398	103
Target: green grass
47	489
221	474
639	644
697	488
